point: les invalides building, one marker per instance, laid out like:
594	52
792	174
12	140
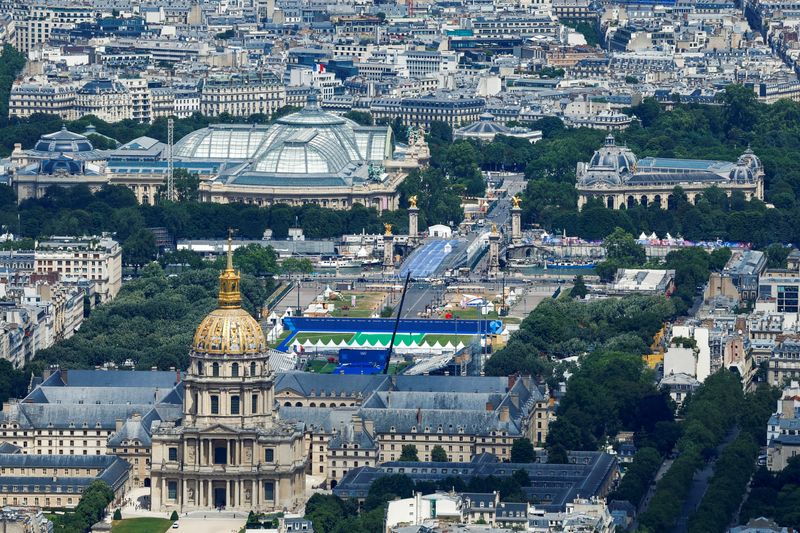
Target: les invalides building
229	449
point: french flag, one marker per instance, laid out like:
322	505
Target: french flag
320	67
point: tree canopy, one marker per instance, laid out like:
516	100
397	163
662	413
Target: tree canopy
721	132
151	321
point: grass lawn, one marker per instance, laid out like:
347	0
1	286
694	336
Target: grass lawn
396	368
320	367
471	313
432	339
324	337
280	339
367	303
141	525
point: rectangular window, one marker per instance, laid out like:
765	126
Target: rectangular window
787	298
215	405
172	490
234	405
173	454
269	455
269	490
254	404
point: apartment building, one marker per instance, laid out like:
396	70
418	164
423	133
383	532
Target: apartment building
357	52
783	429
522	26
784	364
34	22
422	111
241	95
107	99
96	260
141	109
30	98
421	63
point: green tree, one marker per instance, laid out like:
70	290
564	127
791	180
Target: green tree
400	130
522	451
776	255
362	118
140	248
438	455
387	488
187	184
440	133
740	108
557	455
719	258
579	289
409	453
117	514
622	247
174	516
255	259
297	265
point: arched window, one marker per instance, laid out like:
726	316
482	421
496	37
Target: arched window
253	368
199	368
215	370
235	370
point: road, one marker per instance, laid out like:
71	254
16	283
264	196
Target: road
700	485
422	295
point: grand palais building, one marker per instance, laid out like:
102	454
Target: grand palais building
311	156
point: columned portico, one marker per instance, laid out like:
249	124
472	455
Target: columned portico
229	450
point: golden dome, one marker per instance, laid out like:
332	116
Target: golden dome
229	329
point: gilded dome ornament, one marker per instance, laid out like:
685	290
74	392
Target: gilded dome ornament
229	329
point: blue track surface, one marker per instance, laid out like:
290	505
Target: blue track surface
425	262
386	325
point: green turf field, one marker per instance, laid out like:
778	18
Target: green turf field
141	525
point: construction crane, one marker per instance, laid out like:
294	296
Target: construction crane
170	160
396	324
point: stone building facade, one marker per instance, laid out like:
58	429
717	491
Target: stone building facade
229	450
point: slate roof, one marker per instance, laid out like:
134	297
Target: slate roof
319	419
553	485
306	382
478	500
112	378
114	471
450	421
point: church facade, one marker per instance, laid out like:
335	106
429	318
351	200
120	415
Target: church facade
619	180
229	450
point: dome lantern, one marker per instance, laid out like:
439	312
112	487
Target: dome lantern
230	296
229	330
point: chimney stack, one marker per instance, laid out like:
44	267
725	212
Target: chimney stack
489	406
504	414
357	422
65	376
